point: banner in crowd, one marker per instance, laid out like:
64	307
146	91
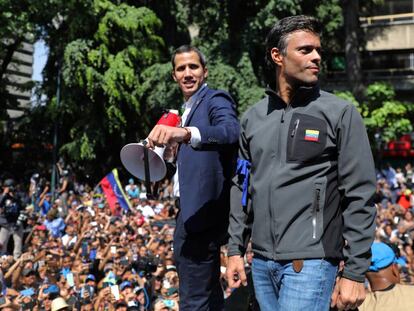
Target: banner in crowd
113	191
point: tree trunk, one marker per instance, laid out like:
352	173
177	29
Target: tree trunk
352	56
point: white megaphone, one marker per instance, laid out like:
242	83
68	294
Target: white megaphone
135	156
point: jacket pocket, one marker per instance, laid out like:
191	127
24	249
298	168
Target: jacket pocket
306	138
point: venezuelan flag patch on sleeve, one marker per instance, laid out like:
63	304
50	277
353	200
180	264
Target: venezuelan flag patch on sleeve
312	135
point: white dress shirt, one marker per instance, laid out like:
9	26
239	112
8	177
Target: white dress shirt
195	133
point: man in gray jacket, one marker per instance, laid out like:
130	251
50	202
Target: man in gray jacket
304	185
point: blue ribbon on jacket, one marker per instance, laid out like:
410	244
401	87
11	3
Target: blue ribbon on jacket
243	170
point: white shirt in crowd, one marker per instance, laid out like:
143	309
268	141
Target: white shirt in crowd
68	240
147	210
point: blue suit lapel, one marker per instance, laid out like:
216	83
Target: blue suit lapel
197	102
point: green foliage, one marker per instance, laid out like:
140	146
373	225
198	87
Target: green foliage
103	87
16	25
159	91
385	114
113	57
240	82
379	92
382	113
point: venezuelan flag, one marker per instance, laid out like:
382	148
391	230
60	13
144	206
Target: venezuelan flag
112	189
312	135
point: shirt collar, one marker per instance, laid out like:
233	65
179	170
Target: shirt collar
193	98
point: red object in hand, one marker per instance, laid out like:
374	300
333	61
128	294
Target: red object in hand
170	119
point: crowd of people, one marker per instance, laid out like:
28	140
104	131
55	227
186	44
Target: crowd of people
69	249
76	253
395	209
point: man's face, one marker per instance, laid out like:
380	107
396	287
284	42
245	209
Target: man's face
87	307
70	230
29	280
47	303
189	73
300	64
127	291
67	262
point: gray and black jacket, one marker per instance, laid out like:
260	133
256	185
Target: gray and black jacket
310	184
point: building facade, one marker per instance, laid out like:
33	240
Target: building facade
19	78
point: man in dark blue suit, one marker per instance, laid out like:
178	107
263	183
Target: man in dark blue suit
205	165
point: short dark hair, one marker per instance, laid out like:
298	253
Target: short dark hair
277	36
187	49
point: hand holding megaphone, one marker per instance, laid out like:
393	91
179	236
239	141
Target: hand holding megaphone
134	156
164	135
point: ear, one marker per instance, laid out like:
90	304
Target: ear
396	272
173	75
277	56
205	72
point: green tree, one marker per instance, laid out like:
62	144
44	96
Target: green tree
355	42
114	60
383	114
232	33
19	22
103	87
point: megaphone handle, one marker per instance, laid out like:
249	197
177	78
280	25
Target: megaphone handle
147	170
154	192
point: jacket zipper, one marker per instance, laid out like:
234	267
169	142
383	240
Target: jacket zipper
293	135
316	209
280	145
279	163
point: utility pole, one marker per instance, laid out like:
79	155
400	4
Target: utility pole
55	139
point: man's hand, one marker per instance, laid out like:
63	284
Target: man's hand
347	294
236	275
104	293
162	135
25	257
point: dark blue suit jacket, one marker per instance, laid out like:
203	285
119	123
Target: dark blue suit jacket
205	172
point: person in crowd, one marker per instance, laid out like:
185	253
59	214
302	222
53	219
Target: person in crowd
59	304
205	164
305	184
11	219
132	189
386	292
54	223
409	176
45	203
390	175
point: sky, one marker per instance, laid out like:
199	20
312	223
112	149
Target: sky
39	59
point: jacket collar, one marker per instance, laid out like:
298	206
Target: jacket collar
196	99
303	96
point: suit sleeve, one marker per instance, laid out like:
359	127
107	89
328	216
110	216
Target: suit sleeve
224	126
356	175
241	216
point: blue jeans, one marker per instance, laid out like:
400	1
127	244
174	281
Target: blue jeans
279	288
